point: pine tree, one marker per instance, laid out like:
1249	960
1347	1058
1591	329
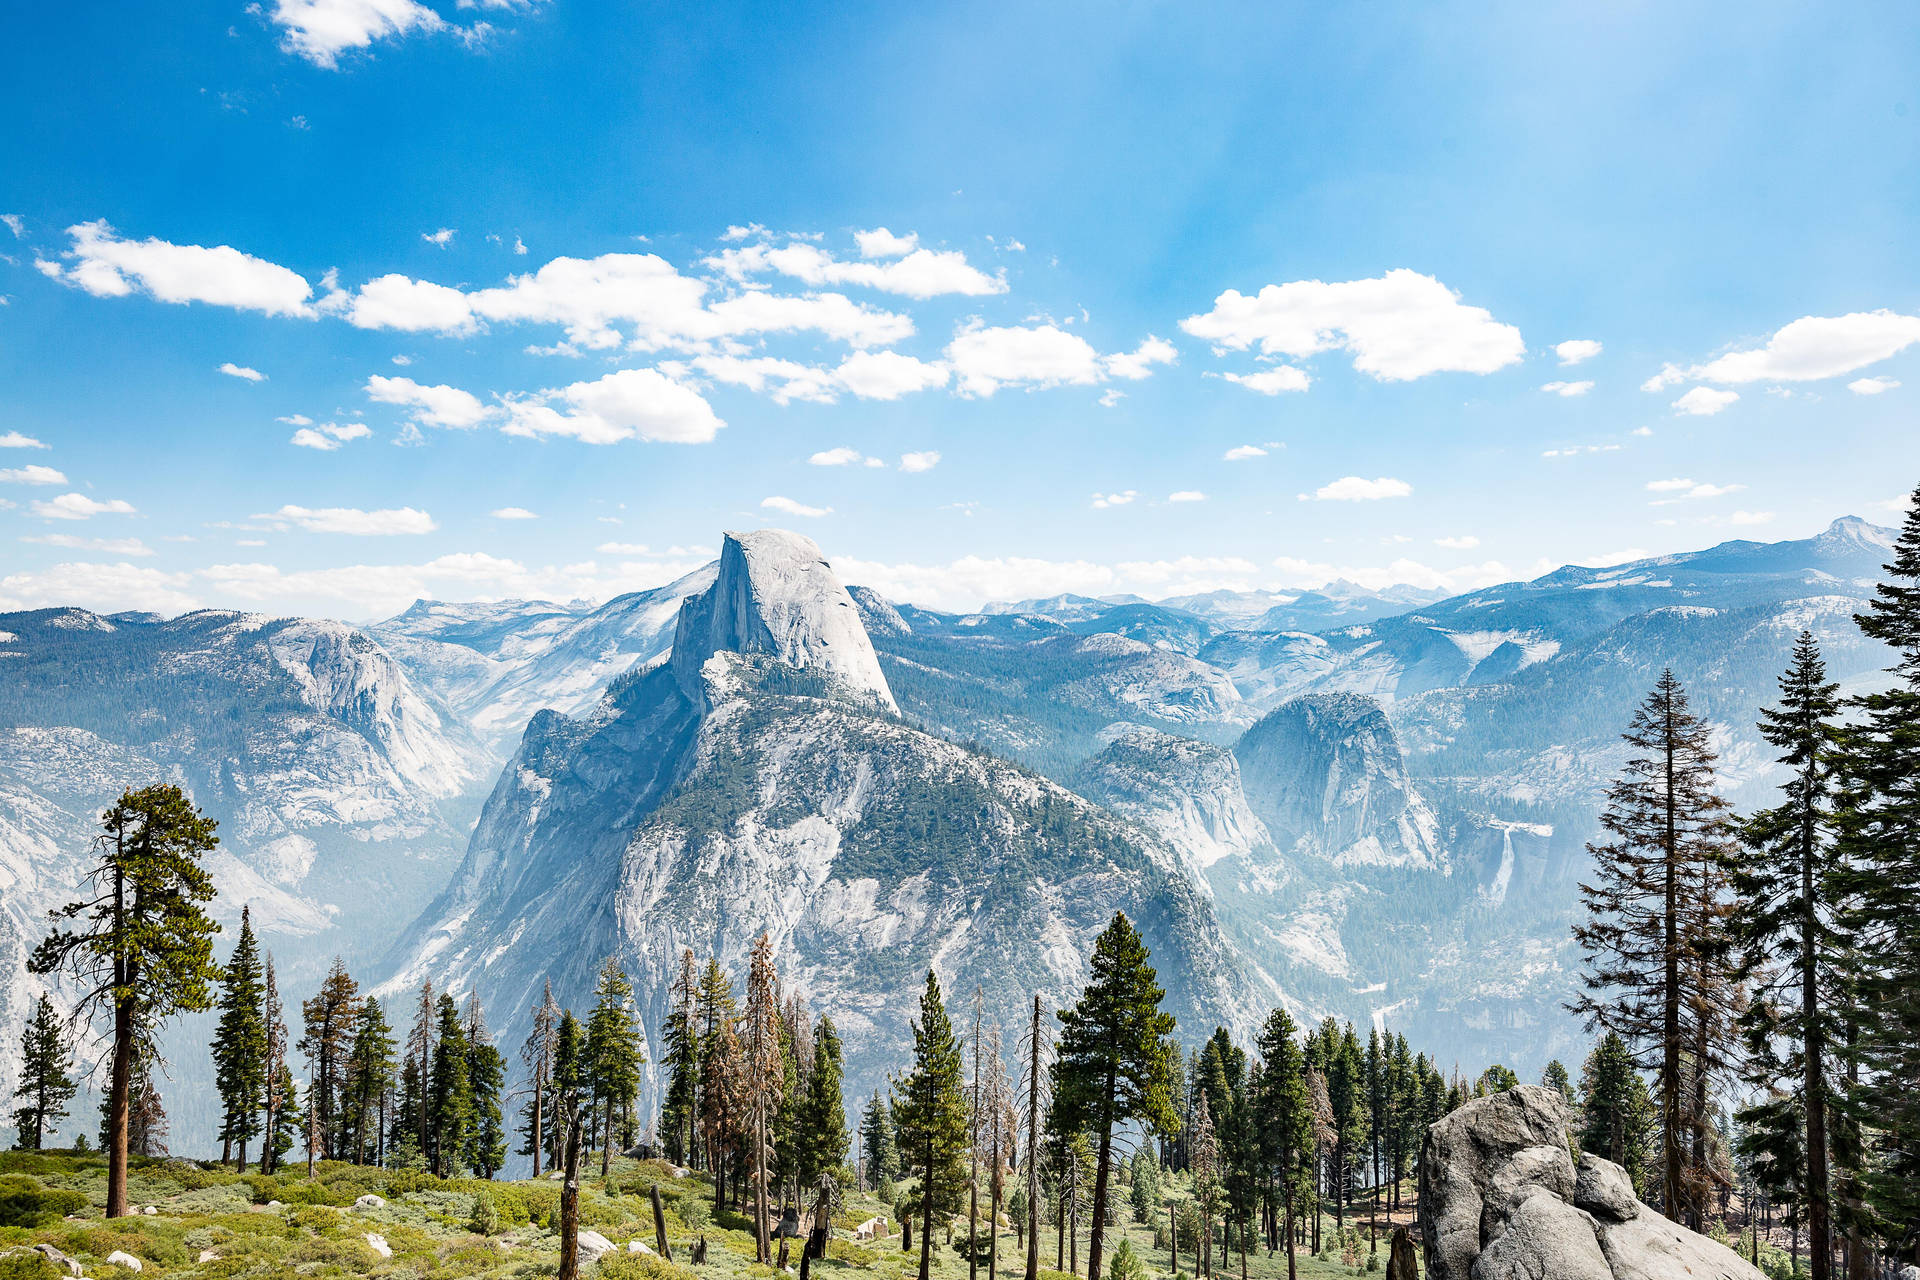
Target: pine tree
679	1118
1879	822
1654	934
486	1149
1203	1153
1616	1113
285	1120
569	1080
420	1054
877	1156
1555	1077
930	1113
279	1094
762	1080
45	1061
1787	886
366	1080
145	949
537	1055
1115	1064
613	1057
713	1009
449	1094
330	1018
1285	1118
823	1118
240	1045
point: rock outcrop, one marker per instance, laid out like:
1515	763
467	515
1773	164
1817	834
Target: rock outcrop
1505	1198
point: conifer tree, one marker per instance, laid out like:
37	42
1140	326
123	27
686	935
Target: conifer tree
569	1081
1787	887
285	1120
1115	1064
1879	824
1616	1113
713	1009
329	1018
613	1057
679	1118
1203	1155
930	1113
823	1118
486	1149
420	1054
366	1081
1654	935
45	1061
537	1055
449	1094
1555	1077
144	950
762	1080
240	1045
877	1157
1285	1118
279	1093
724	1114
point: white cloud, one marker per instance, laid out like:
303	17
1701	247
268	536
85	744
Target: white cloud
1358	489
110	546
925	460
1397	327
14	440
1871	386
34	474
1138	364
513	513
882	243
920	273
1306	574
970	581
233	370
1579	450
1101	501
437	406
788	506
840	457
78	506
1642	431
108	588
329	436
1575	350
16	224
1750	517
985	359
1271	382
1466	542
352	520
1609	559
1111	397
443	237
1187	495
1241	452
1683	488
1670	375
888	375
1568	388
1704	402
630	404
108	267
783	380
519	246
296	420
1815	347
321	30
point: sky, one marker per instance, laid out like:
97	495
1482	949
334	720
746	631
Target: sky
320	306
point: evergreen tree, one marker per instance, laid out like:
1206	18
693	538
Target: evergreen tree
1285	1118
449	1094
420	1054
823	1119
366	1080
1654	934
877	1156
612	1053
1879	822
145	948
279	1094
931	1118
1203	1153
1144	1191
713	1010
1115	1064
537	1055
1555	1077
330	1018
1495	1079
285	1120
486	1149
45	1061
1616	1112
762	1081
240	1046
1787	886
679	1113
1346	1095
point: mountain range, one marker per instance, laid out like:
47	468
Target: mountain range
1373	805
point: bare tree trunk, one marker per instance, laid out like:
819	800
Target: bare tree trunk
1033	1146
570	1202
118	1106
660	1225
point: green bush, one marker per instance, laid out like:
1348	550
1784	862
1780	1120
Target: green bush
26	1264
643	1266
693	1211
25	1203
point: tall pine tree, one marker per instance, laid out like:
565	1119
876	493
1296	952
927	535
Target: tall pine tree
449	1094
930	1112
240	1046
486	1078
45	1061
613	1058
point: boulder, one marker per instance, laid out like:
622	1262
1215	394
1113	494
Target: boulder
1503	1198
592	1245
208	1255
636	1246
378	1243
1908	1273
369	1202
150	1210
119	1258
58	1258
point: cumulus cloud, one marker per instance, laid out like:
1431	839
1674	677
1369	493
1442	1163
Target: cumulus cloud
1101	501
1871	386
1677	489
1138	364
882	243
917	273
1241	452
843	457
110	546
1397	327
329	436
1568	388
16	224
107	266
233	370
1704	402
34	474
107	588
924	460
1575	350
784	381
984	358
443	237
1816	347
1271	382
888	375
642	404
513	513
1359	489
14	440
78	506
787	506
352	520
1186	495
321	30
437	406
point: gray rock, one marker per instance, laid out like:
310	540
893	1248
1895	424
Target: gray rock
1604	1190
369	1202
1468	1151
1908	1273
120	1258
1542	1237
1651	1247
378	1243
592	1245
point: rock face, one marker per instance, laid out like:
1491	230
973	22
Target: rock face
1504	1199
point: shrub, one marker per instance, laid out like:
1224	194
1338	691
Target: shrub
25	1203
486	1218
643	1266
26	1264
693	1211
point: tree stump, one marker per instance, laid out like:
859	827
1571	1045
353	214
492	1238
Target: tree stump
1400	1262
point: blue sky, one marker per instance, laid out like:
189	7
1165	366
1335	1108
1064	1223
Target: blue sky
616	268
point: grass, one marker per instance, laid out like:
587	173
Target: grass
210	1221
